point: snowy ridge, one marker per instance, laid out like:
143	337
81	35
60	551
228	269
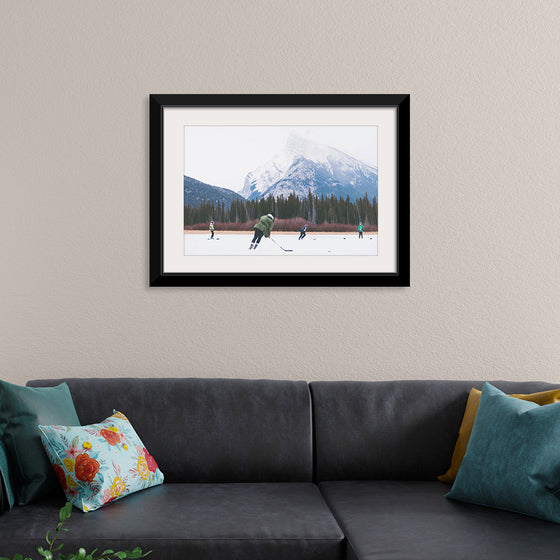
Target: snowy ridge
298	146
309	166
262	177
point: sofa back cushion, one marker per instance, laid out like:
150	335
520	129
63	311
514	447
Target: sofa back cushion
208	430
391	430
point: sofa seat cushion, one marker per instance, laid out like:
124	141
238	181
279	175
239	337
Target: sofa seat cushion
394	520
288	521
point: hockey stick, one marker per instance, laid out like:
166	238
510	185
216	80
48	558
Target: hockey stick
287	250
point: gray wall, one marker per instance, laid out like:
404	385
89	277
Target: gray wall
485	190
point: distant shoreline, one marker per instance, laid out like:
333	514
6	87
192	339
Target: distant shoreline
250	232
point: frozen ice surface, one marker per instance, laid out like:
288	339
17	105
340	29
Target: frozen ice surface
311	245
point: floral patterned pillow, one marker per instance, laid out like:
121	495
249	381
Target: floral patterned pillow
100	462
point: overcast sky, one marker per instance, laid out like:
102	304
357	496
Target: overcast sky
223	155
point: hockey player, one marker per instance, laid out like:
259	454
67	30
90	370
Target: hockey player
302	231
361	231
212	229
263	227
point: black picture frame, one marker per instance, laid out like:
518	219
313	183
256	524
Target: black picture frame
400	277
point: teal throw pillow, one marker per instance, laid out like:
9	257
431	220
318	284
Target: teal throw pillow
21	410
513	457
99	463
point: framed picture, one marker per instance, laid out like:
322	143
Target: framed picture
279	190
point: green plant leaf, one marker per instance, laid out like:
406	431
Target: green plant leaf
65	512
121	555
18	556
104	553
58	547
68	508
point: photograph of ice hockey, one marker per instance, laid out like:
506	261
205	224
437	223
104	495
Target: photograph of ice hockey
280	190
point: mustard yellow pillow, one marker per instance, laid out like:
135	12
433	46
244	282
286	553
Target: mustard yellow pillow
541	398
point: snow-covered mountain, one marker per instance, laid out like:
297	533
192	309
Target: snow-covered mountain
306	165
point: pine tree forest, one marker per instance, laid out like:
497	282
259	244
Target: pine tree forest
323	212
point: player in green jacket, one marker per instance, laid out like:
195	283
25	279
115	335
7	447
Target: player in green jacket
361	231
264	227
212	229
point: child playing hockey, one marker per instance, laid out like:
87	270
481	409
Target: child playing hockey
212	229
264	227
302	231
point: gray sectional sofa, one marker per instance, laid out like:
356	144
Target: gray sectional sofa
285	470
